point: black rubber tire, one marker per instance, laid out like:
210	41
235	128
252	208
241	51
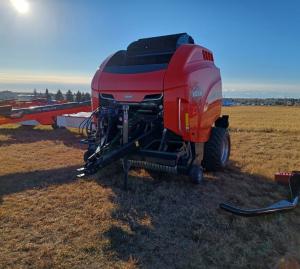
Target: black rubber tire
196	174
215	159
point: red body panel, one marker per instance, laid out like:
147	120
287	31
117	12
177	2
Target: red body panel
123	85
191	86
95	84
134	86
193	90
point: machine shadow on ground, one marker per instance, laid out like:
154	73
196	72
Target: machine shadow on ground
22	181
162	221
169	221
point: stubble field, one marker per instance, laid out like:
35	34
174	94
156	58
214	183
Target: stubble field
49	219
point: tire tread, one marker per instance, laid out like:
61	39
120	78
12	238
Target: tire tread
212	149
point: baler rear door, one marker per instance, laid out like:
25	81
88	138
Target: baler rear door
129	75
132	83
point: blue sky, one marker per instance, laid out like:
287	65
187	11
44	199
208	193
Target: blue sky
60	43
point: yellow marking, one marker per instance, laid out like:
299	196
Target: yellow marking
187	121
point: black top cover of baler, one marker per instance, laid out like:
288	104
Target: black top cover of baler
158	45
147	54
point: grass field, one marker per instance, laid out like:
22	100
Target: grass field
49	219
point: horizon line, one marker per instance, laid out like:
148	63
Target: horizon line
20	79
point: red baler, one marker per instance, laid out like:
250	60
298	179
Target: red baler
157	105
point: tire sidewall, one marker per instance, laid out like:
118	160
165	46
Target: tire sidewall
212	159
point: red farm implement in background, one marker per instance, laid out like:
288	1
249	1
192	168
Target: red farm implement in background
45	114
15	103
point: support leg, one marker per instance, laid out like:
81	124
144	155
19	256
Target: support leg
126	167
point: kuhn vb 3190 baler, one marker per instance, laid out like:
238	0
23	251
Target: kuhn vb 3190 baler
157	106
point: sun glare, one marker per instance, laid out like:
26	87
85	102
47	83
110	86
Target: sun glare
22	6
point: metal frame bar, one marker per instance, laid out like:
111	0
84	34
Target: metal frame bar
283	205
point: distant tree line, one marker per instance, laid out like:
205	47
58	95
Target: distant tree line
69	96
262	102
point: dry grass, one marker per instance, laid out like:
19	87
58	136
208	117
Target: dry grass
265	140
265	119
48	219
